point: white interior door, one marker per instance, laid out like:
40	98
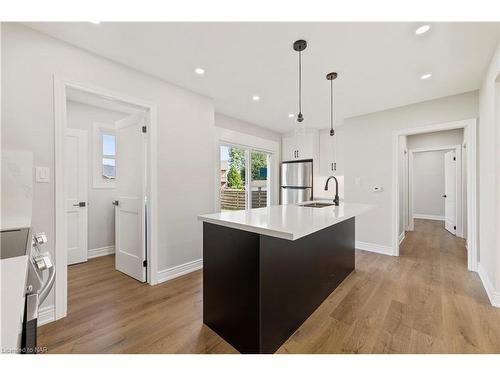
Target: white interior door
130	245
76	191
450	187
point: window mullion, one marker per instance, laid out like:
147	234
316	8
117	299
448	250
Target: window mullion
248	175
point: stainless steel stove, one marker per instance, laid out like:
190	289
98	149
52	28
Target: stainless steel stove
24	289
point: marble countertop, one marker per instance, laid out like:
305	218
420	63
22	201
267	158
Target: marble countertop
289	222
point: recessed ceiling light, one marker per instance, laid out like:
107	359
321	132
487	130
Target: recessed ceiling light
422	29
255	98
291	115
426	76
199	71
95	22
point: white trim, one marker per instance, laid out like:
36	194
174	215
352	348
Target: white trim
61	260
493	295
428	217
46	315
374	248
402	237
183	269
470	130
437	148
100	251
497	179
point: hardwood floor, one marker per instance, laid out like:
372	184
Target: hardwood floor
424	301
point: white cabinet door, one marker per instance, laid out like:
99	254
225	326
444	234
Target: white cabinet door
299	146
326	154
75	191
289	148
305	146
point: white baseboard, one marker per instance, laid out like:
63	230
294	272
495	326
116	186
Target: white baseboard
100	251
428	217
373	247
493	294
172	273
46	315
401	237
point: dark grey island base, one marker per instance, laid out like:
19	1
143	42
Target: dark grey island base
258	289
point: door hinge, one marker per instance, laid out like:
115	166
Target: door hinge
455	227
454	158
144	263
144	129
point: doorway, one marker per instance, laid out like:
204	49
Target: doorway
467	210
104	214
436	188
105	195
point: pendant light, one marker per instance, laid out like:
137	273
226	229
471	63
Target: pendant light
299	46
331	77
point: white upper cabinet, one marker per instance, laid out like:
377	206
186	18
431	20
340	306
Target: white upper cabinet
289	147
331	153
299	147
326	153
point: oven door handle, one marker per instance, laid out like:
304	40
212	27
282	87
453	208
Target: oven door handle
44	292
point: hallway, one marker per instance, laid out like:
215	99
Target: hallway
424	301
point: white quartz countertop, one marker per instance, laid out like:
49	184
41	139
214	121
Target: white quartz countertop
289	222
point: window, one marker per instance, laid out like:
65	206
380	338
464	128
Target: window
259	182
244	181
108	156
104	145
232	178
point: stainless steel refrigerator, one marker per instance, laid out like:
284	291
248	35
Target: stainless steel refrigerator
296	181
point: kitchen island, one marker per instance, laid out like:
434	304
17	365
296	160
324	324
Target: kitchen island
265	270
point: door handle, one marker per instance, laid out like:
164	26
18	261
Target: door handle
80	204
115	203
444	196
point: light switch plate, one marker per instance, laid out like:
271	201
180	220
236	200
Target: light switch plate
42	174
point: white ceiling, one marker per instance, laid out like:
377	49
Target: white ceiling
379	64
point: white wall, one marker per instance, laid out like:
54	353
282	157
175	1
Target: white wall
428	183
436	139
231	123
185	133
101	213
489	175
368	156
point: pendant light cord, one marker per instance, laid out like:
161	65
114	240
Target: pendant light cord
332	131
300	87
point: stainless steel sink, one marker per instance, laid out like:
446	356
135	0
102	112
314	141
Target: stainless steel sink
317	204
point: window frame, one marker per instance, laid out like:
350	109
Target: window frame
248	171
98	180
